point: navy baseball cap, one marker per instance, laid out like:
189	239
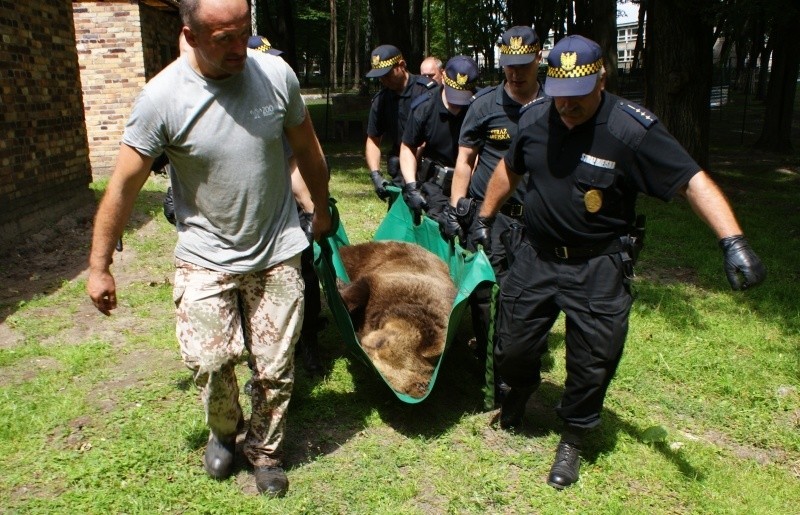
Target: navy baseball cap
460	78
518	45
573	66
383	58
262	44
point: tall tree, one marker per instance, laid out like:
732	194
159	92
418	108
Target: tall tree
678	71
399	23
334	46
776	132
597	20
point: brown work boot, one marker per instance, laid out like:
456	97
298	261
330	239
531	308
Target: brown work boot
271	481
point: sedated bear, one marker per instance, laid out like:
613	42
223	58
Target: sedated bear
399	297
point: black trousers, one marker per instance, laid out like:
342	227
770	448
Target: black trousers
481	299
596	300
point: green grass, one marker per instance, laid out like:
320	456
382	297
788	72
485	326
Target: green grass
98	415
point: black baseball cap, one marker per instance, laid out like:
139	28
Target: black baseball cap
519	45
460	77
573	66
383	58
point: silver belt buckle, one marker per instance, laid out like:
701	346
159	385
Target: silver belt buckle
561	252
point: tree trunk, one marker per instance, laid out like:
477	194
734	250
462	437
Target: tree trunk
392	21
334	54
678	72
347	52
639	46
776	132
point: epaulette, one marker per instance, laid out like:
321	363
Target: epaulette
482	92
535	101
419	100
638	113
426	82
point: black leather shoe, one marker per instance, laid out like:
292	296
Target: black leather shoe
271	481
566	467
513	407
218	460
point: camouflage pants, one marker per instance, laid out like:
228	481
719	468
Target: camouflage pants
214	311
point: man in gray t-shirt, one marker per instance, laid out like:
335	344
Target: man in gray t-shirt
220	113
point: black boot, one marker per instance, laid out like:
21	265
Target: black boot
566	466
308	349
271	481
513	407
218	460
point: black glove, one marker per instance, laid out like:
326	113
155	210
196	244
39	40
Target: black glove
169	207
380	184
449	225
414	198
740	259
480	233
305	224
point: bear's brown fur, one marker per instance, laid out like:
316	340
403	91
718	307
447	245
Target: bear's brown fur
399	297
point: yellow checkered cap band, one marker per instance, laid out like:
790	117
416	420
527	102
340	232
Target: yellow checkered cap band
582	70
519	50
378	64
466	86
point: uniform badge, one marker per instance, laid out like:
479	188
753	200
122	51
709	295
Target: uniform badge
568	60
593	200
461	79
376	60
515	42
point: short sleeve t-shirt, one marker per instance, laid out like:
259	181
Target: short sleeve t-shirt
583	182
224	139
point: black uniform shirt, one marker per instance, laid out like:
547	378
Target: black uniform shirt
490	125
389	111
621	151
431	123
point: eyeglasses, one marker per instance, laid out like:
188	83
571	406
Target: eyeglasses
429	75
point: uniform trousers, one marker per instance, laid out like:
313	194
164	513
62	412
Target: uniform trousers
481	298
596	300
214	309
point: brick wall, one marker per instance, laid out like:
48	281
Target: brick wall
121	44
44	164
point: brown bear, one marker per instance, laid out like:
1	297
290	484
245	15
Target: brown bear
399	298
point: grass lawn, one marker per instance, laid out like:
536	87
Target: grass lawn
98	415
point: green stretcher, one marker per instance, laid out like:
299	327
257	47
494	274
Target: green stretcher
467	269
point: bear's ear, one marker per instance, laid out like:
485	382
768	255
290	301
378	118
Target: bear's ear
355	294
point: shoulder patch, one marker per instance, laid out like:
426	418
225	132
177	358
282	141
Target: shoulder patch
421	99
638	113
534	102
481	92
426	82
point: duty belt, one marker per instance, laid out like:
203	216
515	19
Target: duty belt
442	175
608	247
512	209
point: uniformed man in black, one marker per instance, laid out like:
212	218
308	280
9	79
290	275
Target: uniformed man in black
588	155
488	128
389	112
435	122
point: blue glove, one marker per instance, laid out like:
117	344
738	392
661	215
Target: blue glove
742	266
